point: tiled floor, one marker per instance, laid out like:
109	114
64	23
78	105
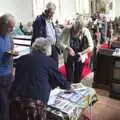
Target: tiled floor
106	108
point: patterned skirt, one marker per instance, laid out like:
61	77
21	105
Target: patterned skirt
27	109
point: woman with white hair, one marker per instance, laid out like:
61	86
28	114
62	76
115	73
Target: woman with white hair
76	42
44	27
36	74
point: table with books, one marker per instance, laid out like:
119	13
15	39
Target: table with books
63	105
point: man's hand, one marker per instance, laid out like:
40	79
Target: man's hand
12	53
71	90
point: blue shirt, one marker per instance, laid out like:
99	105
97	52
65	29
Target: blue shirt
5	60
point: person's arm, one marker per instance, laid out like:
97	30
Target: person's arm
19	70
90	41
5	56
39	29
11	52
1	55
56	78
84	54
58	32
64	41
35	30
1	52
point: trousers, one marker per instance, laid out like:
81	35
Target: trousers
5	83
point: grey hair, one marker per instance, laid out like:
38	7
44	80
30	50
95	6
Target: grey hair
78	24
80	20
6	18
51	5
41	44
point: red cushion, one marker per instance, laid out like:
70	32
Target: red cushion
104	45
86	70
62	70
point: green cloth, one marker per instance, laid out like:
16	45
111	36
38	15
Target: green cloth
17	31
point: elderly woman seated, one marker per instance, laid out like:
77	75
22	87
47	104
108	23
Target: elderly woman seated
36	75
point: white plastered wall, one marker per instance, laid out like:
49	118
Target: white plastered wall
21	9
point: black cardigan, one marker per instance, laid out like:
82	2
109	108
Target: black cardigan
36	75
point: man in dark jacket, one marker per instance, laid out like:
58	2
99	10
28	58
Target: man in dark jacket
36	75
44	27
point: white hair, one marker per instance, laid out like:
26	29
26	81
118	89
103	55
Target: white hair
78	24
5	21
79	19
51	5
41	44
6	18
